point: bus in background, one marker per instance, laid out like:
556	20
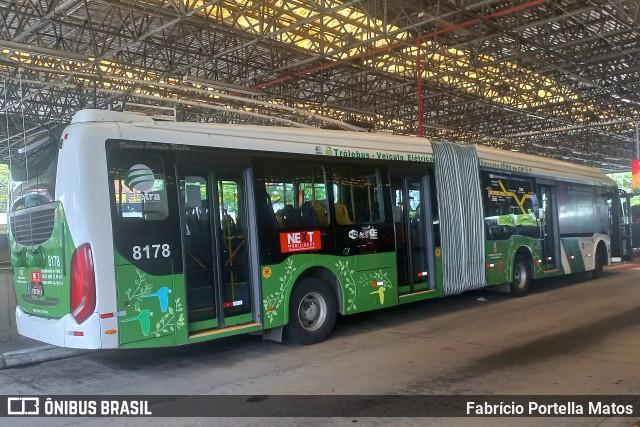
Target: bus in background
622	242
126	232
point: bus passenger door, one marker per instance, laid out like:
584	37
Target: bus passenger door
216	256
620	226
413	228
549	227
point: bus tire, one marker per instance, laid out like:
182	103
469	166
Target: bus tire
521	281
312	313
599	263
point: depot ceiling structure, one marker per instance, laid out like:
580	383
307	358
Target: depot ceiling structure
559	78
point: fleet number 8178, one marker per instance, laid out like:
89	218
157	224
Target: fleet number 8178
151	251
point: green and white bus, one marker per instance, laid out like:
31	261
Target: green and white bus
126	232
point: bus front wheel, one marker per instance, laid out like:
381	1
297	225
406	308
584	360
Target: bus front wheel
521	277
312	313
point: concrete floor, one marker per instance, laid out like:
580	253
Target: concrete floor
570	336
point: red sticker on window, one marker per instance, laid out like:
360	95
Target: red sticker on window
36	276
298	241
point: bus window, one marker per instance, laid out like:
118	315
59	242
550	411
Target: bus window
582	209
357	195
297	193
509	207
139	189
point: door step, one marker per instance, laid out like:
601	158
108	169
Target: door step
426	291
225	331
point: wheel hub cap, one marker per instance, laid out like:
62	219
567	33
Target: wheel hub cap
311	311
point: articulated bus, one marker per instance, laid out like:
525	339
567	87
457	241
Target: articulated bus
126	232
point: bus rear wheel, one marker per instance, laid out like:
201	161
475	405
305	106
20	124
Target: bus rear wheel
521	281
600	261
312	313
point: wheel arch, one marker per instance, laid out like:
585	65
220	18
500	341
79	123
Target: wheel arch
601	257
525	251
521	272
603	244
318	272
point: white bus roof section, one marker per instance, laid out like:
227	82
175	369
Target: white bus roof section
335	143
540	166
315	141
90	115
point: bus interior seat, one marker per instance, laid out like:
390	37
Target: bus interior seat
193	199
228	225
417	237
192	205
342	214
203	210
307	215
280	218
266	216
322	216
528	230
500	232
198	228
375	215
290	217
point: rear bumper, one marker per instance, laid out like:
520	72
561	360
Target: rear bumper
60	332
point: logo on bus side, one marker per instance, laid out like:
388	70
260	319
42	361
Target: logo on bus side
298	241
367	232
140	177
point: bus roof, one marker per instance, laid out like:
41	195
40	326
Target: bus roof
336	143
